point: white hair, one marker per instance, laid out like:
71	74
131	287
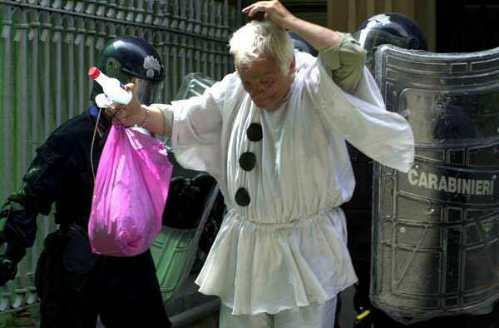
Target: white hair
261	38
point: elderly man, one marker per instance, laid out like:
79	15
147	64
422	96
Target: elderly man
273	135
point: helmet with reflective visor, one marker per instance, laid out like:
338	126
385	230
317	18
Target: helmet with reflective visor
389	28
131	59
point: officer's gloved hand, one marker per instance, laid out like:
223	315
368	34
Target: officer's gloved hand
8	262
7	270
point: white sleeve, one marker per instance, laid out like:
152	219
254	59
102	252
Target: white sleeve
197	128
362	118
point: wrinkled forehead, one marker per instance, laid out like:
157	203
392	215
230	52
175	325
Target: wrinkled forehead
258	68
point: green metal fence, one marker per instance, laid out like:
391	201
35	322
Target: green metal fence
46	48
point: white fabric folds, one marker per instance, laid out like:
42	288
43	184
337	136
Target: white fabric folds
287	247
257	268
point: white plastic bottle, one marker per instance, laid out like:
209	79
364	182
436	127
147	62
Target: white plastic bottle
112	87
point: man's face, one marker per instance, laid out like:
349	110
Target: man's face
265	82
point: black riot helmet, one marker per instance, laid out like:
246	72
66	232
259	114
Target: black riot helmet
389	28
301	45
131	59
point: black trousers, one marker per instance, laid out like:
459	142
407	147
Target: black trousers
123	291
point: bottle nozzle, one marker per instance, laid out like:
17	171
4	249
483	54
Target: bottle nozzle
93	72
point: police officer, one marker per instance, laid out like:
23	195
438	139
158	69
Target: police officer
76	286
398	30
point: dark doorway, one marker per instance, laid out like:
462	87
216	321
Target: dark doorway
467	25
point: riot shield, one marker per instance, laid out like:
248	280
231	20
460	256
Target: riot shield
180	245
193	84
435	249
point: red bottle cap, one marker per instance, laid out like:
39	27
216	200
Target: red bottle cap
93	72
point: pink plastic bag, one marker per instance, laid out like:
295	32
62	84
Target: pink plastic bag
129	194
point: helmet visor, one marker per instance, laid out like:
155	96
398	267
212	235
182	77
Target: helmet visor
147	91
370	39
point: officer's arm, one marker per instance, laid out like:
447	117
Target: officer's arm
18	215
18	221
18	231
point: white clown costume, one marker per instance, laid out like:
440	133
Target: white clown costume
282	244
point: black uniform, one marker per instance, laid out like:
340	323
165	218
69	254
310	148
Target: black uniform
75	285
